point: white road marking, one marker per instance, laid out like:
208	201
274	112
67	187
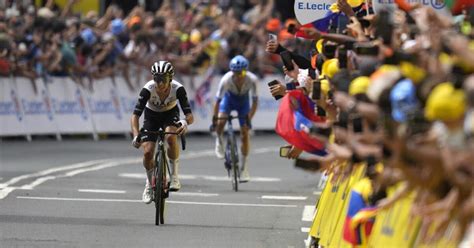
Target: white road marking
317	192
5	191
305	229
283	197
107	191
265	150
308	213
204	177
194	194
42	176
50	171
172	202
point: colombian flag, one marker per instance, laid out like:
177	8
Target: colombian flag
360	216
295	117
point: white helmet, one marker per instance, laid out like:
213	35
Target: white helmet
162	67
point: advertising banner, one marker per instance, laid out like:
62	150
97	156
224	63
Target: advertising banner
12	116
105	106
307	11
438	5
70	106
37	106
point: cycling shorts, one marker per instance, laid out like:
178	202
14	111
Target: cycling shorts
231	102
156	120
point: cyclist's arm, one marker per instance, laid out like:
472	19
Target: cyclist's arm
254	95
220	93
185	106
137	112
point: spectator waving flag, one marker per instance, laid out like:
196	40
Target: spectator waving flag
295	117
204	89
360	216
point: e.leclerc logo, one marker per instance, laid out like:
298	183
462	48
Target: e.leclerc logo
307	11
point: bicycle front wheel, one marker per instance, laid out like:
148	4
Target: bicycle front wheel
235	164
164	188
158	188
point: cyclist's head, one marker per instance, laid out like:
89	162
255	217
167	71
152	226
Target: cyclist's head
238	64
162	72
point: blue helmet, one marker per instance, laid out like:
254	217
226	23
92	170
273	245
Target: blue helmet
238	63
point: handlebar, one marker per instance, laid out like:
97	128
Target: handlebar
162	133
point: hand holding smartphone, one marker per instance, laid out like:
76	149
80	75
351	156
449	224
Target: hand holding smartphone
272	37
275	82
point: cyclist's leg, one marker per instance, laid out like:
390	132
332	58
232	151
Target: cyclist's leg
173	148
151	123
224	110
243	110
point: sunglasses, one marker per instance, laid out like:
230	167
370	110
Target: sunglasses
161	78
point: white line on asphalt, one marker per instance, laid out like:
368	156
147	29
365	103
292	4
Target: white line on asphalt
305	229
50	171
266	149
194	194
5	188
308	213
316	192
108	191
5	191
172	202
204	177
283	197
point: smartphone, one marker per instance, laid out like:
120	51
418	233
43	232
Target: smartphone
287	60
316	94
312	73
275	82
357	126
284	151
342	57
306	164
366	49
272	37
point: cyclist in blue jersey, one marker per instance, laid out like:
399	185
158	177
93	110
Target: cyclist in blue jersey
235	89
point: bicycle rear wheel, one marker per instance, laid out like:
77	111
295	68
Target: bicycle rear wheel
234	164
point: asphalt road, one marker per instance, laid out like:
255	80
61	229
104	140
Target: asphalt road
81	193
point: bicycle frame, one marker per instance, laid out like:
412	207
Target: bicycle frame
231	153
160	184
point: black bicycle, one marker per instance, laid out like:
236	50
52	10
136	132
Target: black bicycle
160	184
231	154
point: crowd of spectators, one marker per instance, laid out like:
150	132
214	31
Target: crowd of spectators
193	35
393	90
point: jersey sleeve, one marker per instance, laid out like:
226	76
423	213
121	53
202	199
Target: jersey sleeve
141	103
221	89
253	88
183	100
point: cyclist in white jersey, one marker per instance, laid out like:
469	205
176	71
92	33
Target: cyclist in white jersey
235	88
159	100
